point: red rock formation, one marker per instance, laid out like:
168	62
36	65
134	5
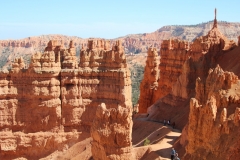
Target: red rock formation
179	72
112	133
112	126
212	131
69	59
18	64
149	83
173	54
56	97
30	104
98	72
214	116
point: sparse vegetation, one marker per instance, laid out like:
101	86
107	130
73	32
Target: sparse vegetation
146	142
178	31
136	77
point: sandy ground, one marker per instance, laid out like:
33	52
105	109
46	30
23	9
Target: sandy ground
161	137
78	151
161	140
163	148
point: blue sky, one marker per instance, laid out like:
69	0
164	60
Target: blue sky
105	18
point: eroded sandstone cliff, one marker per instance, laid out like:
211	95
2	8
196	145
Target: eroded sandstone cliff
213	125
48	106
180	64
173	54
204	95
149	83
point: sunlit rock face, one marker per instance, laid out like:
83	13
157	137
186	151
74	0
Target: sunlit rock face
204	97
213	125
149	83
48	105
174	54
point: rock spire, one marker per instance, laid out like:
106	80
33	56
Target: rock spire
215	19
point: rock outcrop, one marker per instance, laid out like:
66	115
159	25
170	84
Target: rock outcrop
112	133
149	83
173	55
112	126
204	97
57	98
180	65
213	125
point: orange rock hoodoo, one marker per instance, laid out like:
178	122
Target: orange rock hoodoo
195	90
213	124
176	56
173	54
47	106
150	81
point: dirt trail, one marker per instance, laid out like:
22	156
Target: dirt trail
161	137
161	140
163	148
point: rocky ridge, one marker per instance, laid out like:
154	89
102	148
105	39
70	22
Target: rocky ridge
10	49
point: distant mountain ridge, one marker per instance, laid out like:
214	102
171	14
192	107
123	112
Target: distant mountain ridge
133	43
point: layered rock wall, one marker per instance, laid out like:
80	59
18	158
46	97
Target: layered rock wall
173	55
212	116
181	64
59	96
112	133
37	94
149	83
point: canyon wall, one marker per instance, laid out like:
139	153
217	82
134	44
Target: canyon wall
173	54
47	106
181	64
203	97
